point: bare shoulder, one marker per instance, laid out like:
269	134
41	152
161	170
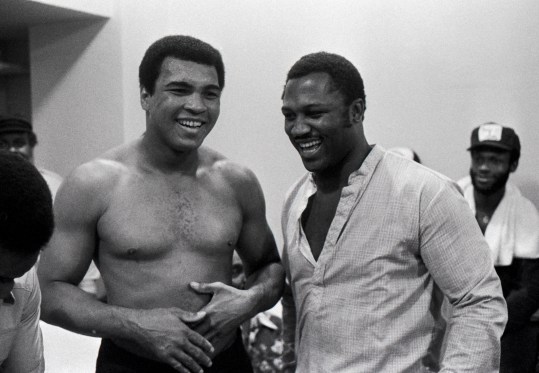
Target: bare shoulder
238	175
90	183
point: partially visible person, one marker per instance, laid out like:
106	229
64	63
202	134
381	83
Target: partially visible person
162	216
262	334
407	153
17	135
373	242
26	224
510	223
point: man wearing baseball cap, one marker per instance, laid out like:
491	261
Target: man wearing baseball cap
17	136
510	223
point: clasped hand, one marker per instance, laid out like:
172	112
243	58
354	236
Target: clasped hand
187	341
228	308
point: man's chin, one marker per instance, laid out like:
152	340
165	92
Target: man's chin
22	155
486	190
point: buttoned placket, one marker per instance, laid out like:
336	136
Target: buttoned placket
350	196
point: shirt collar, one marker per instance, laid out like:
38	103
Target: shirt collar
367	167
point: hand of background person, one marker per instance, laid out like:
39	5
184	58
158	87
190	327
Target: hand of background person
162	334
225	312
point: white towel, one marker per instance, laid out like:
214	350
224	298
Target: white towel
513	230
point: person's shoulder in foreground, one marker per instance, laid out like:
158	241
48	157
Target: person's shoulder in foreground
162	216
372	244
25	206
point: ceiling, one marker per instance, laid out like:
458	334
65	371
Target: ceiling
17	15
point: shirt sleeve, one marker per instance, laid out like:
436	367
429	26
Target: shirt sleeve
26	354
458	258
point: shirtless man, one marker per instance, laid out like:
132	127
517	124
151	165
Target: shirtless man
162	216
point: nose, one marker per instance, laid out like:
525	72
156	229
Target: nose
195	103
483	166
298	127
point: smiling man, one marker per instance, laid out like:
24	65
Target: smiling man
162	216
373	242
510	224
26	224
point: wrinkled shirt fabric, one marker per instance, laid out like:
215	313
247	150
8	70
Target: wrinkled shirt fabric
21	344
402	238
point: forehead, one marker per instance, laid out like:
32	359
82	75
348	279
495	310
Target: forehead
177	70
312	89
491	152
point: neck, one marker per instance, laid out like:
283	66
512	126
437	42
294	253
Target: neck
336	177
488	202
163	158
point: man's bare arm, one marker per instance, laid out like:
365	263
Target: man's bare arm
158	333
229	306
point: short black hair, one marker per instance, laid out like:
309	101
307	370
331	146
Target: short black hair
183	47
345	76
26	217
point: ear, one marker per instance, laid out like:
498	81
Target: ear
144	98
513	166
356	111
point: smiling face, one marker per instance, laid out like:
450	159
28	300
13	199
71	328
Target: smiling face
317	122
490	169
185	104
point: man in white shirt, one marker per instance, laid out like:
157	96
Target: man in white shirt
26	224
510	223
372	244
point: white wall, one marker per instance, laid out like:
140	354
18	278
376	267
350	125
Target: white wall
77	92
433	70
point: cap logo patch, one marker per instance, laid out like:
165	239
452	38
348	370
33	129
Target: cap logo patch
490	132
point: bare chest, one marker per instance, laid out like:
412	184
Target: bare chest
317	218
157	219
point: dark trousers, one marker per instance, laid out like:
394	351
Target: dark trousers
519	350
113	359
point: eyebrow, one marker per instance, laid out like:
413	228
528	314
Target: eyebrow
185	84
317	105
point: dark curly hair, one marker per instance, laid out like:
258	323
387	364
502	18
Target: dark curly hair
345	76
26	217
183	47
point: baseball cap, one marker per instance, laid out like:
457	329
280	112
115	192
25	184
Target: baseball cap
10	124
495	135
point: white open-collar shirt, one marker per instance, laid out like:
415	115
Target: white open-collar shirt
401	239
21	344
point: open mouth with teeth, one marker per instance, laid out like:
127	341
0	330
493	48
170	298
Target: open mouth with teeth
189	123
309	146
